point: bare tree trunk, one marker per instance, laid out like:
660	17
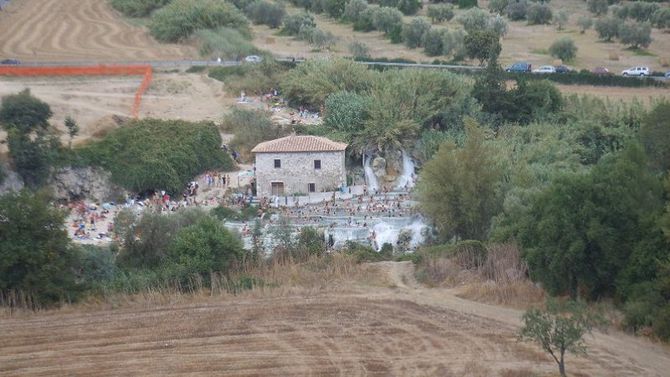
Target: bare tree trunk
561	365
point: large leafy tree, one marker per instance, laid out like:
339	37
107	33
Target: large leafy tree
36	257
655	136
32	143
482	45
581	232
460	187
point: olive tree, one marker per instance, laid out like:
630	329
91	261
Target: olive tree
564	49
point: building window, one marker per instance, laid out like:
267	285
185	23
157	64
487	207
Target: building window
277	163
311	187
317	164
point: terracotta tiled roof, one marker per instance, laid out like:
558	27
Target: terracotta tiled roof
295	143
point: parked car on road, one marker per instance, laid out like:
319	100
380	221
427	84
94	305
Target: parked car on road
667	75
600	71
545	69
10	61
253	59
563	69
519	67
636	71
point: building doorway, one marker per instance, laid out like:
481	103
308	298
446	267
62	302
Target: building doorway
277	188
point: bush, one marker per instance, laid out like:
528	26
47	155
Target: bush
482	45
564	49
474	20
635	34
639	10
433	42
265	12
293	23
561	19
312	81
179	19
587	78
409	7
365	21
467	4
498	6
37	260
387	19
317	37
454	44
597	7
539	14
333	8
608	28
413	32
584	23
225	43
345	113
517	10
353	10
498	25
250	128
153	154
661	18
137	8
359	50
440	12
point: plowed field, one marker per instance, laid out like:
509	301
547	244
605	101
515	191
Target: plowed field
368	331
58	30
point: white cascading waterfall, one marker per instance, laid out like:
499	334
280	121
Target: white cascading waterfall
370	177
406	180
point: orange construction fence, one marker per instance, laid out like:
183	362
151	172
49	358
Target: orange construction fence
97	70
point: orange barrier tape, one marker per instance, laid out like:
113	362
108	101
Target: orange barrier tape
98	70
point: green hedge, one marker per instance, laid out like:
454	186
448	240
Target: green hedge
156	154
588	78
137	8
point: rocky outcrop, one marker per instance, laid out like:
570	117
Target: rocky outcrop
11	182
85	183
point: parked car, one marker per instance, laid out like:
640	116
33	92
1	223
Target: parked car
545	69
600	71
636	71
667	75
10	61
519	67
253	59
563	69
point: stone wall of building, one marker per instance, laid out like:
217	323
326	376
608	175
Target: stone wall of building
297	172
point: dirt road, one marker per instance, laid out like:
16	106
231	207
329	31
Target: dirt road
406	330
50	30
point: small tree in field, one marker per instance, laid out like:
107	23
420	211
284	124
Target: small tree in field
558	331
584	23
563	49
561	19
72	129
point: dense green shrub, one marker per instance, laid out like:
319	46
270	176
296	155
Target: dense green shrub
266	12
345	114
137	8
224	42
250	128
359	50
539	14
466	4
584	23
608	28
312	81
409	7
179	19
564	49
474	20
498	6
661	18
433	42
597	7
294	23
387	20
353	10
588	78
152	154
439	13
413	32
635	34
37	260
252	78
517	10
365	21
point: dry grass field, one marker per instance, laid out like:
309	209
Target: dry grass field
72	30
375	321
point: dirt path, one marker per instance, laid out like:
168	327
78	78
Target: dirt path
62	30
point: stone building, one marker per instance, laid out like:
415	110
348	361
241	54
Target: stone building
299	165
